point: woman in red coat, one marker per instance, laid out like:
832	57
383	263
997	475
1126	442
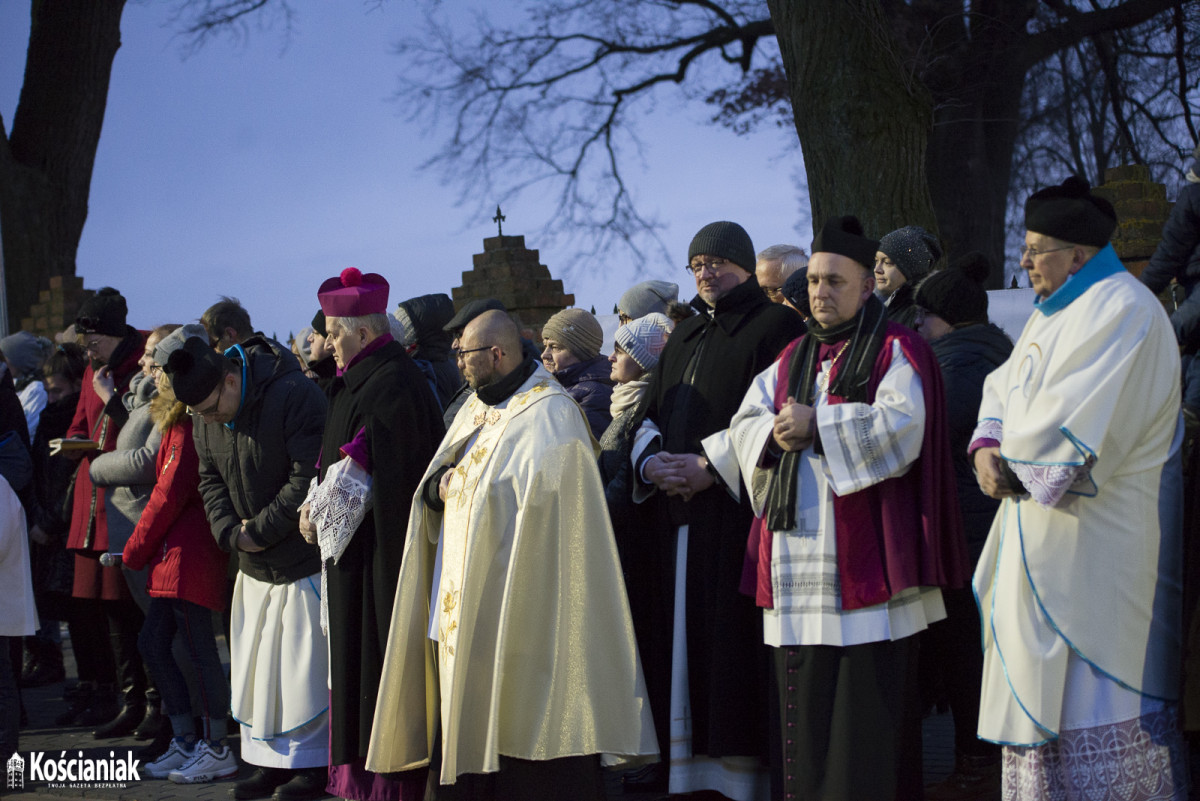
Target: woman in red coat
113	349
186	584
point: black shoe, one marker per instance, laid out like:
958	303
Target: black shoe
101	709
44	672
153	723
650	778
78	699
124	724
305	785
261	784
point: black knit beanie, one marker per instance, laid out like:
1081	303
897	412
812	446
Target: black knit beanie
844	236
913	249
956	294
318	323
103	313
726	240
795	289
195	371
1071	212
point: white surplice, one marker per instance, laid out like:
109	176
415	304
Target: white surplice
864	444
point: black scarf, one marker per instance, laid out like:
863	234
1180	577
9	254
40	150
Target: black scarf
865	331
502	388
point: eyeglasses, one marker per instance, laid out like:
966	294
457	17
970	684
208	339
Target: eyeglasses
1033	253
211	410
698	266
773	292
92	344
458	353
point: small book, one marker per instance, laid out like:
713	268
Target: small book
59	445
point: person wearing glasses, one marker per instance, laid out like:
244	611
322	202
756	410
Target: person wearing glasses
719	666
1079	580
905	256
384	423
510	636
773	266
257	424
114	349
842	449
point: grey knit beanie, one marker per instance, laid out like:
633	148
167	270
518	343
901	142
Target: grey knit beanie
578	330
646	297
726	240
174	341
26	352
913	249
645	338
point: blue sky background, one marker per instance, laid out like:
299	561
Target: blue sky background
258	169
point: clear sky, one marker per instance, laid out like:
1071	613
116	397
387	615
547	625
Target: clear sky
259	169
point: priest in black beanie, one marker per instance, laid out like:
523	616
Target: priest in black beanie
841	447
698	526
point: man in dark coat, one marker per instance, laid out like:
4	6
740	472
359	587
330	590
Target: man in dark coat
383	417
709	361
952	315
258	437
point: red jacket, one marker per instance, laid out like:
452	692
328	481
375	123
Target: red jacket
173	535
89	525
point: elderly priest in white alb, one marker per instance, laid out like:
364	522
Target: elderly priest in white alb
1079	581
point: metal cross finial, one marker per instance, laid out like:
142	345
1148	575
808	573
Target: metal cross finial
499	220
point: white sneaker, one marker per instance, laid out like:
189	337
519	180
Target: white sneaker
208	763
177	754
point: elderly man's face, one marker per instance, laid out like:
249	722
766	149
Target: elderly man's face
769	273
1049	262
838	286
346	343
715	277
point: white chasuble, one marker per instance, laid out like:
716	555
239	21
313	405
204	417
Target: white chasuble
1086	411
536	657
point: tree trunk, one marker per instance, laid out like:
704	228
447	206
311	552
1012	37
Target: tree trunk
976	87
863	120
46	161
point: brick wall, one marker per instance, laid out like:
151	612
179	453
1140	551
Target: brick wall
1142	209
56	306
513	275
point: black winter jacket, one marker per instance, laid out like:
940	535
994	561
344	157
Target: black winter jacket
591	387
966	356
1178	256
260	469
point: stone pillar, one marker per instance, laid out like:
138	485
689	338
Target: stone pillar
1142	209
57	306
513	275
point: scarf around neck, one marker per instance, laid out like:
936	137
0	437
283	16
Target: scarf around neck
501	389
850	380
626	396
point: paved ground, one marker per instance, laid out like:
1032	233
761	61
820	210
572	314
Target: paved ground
45	703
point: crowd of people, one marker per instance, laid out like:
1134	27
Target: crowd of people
732	556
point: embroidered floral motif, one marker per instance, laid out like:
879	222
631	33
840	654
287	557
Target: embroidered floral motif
449	626
524	397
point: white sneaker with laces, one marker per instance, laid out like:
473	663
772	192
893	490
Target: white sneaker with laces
178	753
209	762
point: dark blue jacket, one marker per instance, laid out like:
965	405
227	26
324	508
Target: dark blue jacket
1178	257
591	387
